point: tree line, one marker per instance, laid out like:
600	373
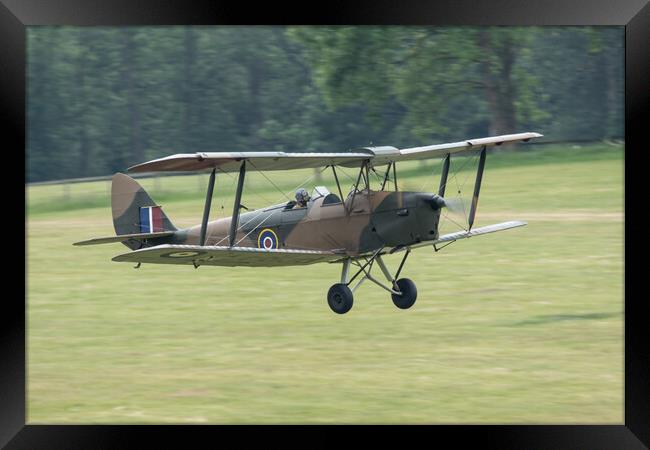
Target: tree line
103	98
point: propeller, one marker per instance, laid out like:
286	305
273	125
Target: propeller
454	205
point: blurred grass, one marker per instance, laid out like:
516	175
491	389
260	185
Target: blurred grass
524	326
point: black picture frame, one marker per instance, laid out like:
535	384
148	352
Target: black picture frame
15	15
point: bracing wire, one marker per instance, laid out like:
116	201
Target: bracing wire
254	228
313	175
378	177
446	216
426	181
242	225
256	193
232	181
346	174
459	188
269	180
354	180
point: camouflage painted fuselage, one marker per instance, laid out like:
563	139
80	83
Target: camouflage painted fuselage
376	219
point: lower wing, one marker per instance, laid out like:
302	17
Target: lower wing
464	234
225	256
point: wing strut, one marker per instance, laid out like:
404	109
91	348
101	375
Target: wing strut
383	184
235	212
206	209
443	177
364	164
338	185
477	188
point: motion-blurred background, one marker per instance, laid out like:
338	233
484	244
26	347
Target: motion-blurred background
102	99
524	326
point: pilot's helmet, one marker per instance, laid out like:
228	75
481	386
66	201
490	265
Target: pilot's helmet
302	196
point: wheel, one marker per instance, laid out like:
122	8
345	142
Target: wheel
340	298
409	294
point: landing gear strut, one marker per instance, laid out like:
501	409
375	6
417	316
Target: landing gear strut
403	291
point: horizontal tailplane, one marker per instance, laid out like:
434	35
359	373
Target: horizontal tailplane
124	238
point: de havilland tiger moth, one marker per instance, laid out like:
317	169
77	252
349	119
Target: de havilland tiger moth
354	230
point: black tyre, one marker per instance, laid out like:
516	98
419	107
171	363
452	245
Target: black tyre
340	298
409	294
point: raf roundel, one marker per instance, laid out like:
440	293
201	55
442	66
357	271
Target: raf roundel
267	239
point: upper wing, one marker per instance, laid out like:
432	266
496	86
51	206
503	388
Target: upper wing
463	234
384	155
225	256
230	162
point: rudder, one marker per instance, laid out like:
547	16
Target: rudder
134	211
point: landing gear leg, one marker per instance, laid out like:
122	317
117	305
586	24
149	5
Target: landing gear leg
404	291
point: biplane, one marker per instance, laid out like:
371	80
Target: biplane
355	229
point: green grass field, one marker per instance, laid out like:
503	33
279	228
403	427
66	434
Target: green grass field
523	326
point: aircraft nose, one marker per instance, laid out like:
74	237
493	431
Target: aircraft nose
436	202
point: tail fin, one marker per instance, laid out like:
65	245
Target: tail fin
134	211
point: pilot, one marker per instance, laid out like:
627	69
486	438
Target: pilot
302	197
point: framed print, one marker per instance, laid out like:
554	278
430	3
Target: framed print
178	126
